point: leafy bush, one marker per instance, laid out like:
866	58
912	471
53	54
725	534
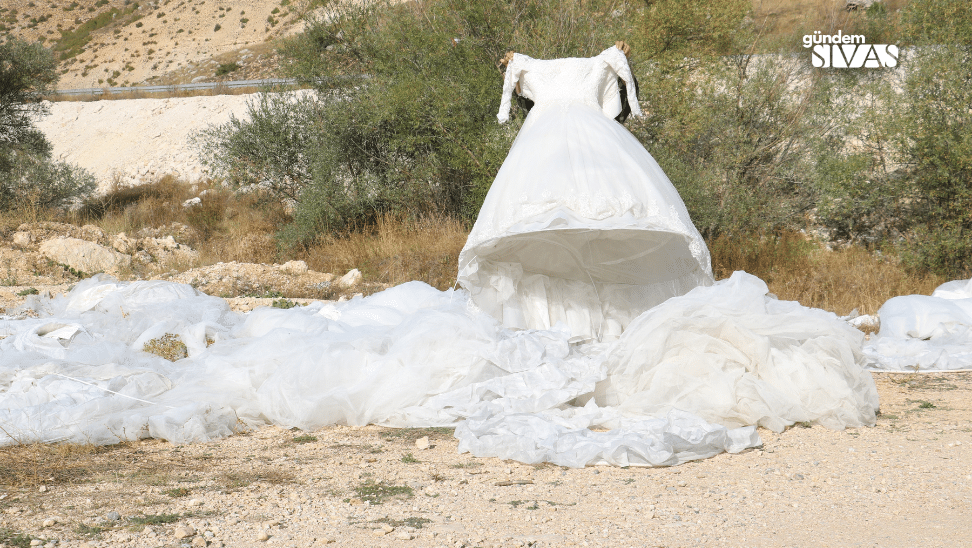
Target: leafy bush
27	73
33	181
937	149
906	182
226	68
272	147
418	134
27	176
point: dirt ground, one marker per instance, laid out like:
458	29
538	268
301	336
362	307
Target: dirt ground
904	482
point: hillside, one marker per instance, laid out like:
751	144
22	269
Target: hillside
104	43
125	42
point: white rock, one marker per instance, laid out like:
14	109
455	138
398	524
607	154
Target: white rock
351	279
42	489
123	244
81	255
422	443
192	202
184	532
294	268
404	535
23	239
50	522
263	536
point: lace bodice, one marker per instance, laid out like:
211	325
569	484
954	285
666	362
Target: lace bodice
592	81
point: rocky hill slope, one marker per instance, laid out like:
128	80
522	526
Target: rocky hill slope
103	43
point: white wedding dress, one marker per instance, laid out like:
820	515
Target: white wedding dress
581	225
580	236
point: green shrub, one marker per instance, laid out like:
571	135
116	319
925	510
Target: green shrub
27	73
226	68
273	146
33	181
419	133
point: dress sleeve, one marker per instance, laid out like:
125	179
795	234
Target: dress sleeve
513	70
617	61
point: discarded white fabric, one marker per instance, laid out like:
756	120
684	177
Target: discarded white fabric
581	225
688	380
925	333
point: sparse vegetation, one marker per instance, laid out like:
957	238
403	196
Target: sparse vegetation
413	522
14	539
226	68
72	42
167	346
155	519
306	438
379	492
29	179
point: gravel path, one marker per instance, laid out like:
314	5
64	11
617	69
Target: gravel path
905	482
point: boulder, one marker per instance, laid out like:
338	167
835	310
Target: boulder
82	255
23	239
167	252
351	279
294	268
123	244
854	5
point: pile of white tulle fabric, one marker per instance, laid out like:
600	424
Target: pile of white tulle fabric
688	379
925	333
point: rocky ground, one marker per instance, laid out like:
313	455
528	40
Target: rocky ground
50	258
103	43
904	482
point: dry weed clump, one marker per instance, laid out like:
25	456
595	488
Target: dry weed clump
129	208
395	251
167	346
31	465
800	270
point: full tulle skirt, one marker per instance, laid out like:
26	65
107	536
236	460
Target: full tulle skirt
581	227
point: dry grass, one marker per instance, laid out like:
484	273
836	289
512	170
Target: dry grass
228	226
396	251
242	227
799	270
31	465
788	20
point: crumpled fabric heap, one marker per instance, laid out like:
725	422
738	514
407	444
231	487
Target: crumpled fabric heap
688	379
925	333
